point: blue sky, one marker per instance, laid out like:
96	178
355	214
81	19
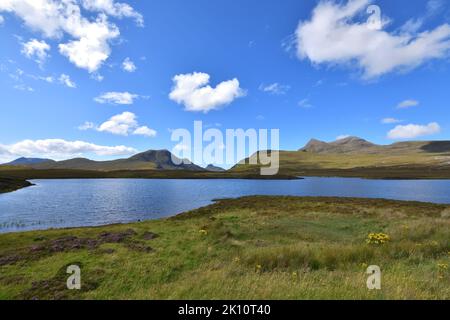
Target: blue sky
81	89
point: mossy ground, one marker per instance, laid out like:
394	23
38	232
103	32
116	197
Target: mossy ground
248	248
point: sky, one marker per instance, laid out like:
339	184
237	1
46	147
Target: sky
106	79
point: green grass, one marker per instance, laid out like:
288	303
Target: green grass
27	173
383	165
12	184
248	248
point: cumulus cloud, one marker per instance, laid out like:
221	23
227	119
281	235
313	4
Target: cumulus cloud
412	131
59	148
117	98
194	92
275	88
407	104
36	50
333	36
115	9
122	124
65	80
390	121
145	131
128	65
2	20
89	46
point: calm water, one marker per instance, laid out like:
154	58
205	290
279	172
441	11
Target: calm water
74	203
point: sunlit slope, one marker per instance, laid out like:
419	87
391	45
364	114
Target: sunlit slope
358	154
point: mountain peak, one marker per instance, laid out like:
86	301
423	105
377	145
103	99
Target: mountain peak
27	161
345	145
213	168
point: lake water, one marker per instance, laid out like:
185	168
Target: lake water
75	203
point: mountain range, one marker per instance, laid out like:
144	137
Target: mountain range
317	157
161	160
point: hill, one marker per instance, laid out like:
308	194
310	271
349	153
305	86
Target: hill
27	161
356	157
149	160
213	168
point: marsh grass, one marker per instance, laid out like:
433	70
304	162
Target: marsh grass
248	248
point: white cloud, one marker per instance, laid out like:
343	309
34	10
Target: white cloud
36	50
65	80
128	65
89	46
407	104
59	148
275	88
122	124
109	7
390	121
145	131
305	104
117	98
2	20
23	87
87	126
192	90
332	36
411	131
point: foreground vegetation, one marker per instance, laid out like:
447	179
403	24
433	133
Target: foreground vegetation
387	165
248	248
27	173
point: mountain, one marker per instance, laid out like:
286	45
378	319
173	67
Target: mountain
347	145
213	168
356	157
149	160
27	161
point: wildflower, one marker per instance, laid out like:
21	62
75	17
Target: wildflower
294	275
237	260
258	268
203	232
378	238
443	266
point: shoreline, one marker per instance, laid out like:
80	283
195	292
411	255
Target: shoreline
217	202
10	185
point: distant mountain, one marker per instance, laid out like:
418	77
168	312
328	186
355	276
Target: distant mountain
354	156
149	160
352	145
27	161
213	168
347	145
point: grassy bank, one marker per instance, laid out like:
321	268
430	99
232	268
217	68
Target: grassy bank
25	173
12	184
248	248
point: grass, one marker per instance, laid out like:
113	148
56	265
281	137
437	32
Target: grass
26	173
247	248
12	184
387	165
